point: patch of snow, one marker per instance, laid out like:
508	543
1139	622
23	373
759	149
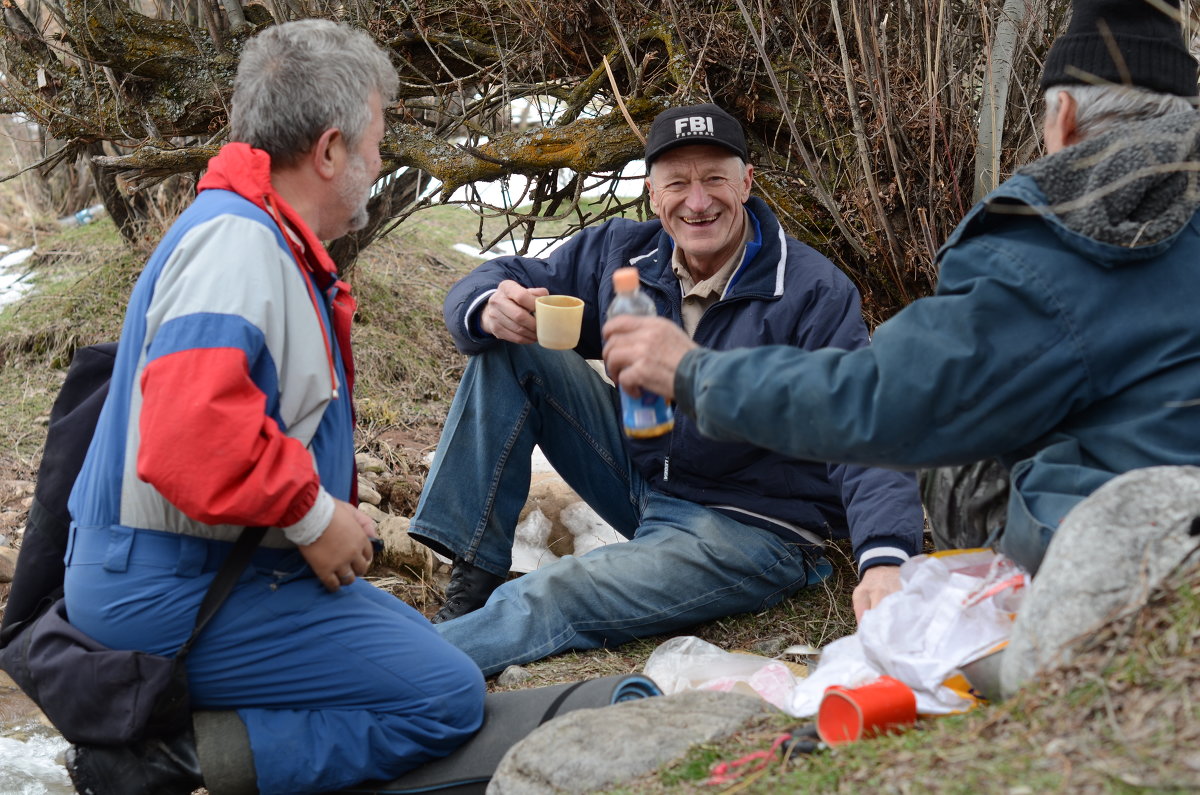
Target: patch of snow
31	767
530	550
588	529
13	285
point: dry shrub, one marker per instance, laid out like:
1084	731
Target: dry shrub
863	116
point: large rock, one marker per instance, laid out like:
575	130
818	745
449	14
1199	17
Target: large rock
1104	561
592	749
401	551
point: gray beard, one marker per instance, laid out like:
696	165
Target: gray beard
359	219
350	194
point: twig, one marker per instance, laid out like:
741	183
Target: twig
612	81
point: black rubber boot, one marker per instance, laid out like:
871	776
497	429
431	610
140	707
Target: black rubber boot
469	589
150	767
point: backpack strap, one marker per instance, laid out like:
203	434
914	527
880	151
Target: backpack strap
222	585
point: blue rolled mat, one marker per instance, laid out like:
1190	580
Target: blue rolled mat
508	717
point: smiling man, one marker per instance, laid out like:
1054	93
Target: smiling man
1061	345
714	528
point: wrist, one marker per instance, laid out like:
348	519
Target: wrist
313	523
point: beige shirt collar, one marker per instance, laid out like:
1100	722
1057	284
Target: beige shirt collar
699	296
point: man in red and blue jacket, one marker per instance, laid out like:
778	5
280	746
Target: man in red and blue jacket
230	406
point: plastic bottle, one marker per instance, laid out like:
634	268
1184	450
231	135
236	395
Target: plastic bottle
648	415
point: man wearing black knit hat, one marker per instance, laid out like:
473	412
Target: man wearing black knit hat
714	529
1062	338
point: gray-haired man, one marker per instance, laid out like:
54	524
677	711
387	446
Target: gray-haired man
230	407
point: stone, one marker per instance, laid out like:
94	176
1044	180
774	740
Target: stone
367	492
369	463
772	646
513	675
589	750
15	488
1104	561
16	708
373	512
401	551
8	563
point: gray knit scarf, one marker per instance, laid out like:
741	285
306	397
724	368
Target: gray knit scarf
1130	186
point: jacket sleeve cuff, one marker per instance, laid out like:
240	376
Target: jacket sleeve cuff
880	552
310	527
471	318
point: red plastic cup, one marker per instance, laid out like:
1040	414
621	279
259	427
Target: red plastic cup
849	714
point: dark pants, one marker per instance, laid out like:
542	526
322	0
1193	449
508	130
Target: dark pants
966	505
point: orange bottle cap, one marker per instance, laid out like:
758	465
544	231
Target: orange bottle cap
625	279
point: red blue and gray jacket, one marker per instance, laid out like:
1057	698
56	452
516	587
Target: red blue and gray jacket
783	293
230	403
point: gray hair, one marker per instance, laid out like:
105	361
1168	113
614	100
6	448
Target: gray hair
298	79
1100	108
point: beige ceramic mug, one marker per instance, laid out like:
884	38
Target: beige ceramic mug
558	320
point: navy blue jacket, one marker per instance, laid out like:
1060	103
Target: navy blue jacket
783	293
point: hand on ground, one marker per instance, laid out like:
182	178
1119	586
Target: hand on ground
343	551
877	582
508	314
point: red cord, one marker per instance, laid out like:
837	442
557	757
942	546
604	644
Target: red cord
727	772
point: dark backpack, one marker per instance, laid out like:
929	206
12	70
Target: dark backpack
38	580
92	694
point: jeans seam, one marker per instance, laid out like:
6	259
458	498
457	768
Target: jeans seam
700	600
551	646
489	503
600	450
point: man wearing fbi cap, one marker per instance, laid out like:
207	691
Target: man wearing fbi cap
1061	341
714	528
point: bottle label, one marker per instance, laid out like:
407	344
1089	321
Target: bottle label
648	415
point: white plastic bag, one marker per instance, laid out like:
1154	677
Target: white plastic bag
688	663
953	607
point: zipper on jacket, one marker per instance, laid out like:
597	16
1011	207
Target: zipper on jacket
667	457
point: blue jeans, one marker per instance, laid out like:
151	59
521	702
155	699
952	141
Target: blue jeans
683	563
334	688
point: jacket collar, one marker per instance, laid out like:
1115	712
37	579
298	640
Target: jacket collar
764	264
246	171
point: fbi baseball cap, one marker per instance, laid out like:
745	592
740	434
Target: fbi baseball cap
695	124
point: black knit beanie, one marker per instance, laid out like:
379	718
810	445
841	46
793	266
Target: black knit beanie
1149	42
